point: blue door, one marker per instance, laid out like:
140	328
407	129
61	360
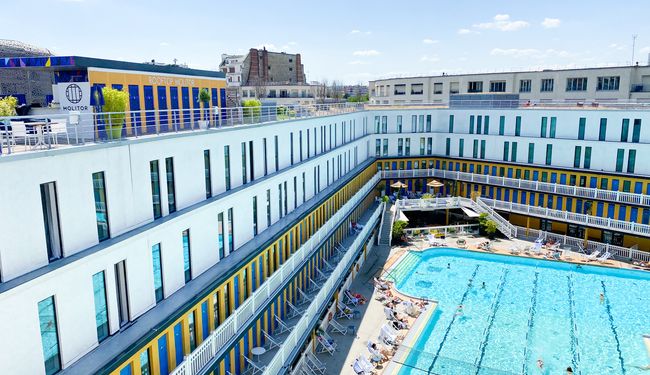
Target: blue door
531	200
523	197
173	100
553	178
509	172
563	179
215	103
185	101
498	194
149	107
615	185
535	176
178	342
638	187
634	214
494	171
222	100
163	116
592	182
558	203
622	210
471	168
134	105
610	211
196	114
599	209
162	355
204	320
507	195
236	288
569	204
579	206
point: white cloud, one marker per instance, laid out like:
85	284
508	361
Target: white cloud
551	23
429	41
367	52
464	31
292	43
357	62
429	59
164	44
534	53
502	22
355	31
359	32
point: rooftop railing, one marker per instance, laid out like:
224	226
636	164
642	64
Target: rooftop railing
521	104
58	130
517	183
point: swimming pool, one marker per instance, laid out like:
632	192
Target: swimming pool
516	311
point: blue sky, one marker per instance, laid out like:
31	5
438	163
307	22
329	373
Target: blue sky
350	41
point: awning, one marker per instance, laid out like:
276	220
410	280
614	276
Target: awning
469	212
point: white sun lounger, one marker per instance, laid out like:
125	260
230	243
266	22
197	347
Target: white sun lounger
344	311
314	363
293	310
282	325
604	257
324	346
273	342
593	255
255	368
338	327
349	298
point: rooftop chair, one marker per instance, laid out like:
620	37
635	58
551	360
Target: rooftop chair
314	363
273	342
349	298
365	363
381	285
321	276
324	346
253	368
58	128
19	130
304	297
337	327
375	356
515	250
328	266
306	370
409	308
282	325
344	311
606	255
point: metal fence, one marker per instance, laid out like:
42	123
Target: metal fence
47	131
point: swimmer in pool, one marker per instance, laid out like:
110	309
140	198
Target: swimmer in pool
569	371
448	265
483	285
540	364
459	310
602	298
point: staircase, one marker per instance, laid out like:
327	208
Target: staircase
386	226
503	225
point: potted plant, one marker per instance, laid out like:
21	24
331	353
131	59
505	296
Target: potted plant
204	98
398	230
114	108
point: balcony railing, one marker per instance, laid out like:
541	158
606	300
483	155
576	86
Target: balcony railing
516	183
570	217
57	130
313	311
240	318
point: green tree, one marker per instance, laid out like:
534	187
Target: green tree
8	106
490	228
204	98
398	228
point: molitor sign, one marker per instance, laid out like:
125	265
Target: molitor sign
74	96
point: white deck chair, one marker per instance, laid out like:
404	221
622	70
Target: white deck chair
409	308
592	256
312	285
314	363
375	354
321	276
365	364
282	325
293	310
273	342
328	266
58	128
304	297
349	298
19	130
338	327
255	368
344	311
324	346
606	255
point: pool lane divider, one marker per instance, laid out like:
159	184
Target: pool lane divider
608	308
531	324
453	319
573	327
486	332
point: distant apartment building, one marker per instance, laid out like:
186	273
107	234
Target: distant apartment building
593	85
232	65
262	66
355	90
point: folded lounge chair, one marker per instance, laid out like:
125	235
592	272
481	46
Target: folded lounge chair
593	255
604	257
344	311
253	368
293	310
337	327
314	363
283	327
272	341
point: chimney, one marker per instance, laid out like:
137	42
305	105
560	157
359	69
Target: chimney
300	75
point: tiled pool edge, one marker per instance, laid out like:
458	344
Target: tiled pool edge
412	336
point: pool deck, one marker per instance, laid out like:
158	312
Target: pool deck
371	316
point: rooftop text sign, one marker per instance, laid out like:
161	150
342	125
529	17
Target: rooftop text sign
170	81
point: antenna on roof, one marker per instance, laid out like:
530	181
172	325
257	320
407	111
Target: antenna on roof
633	45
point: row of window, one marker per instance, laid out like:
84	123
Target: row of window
606	83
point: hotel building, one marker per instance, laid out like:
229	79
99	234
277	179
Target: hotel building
179	253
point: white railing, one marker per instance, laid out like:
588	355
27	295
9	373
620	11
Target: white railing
294	339
620	252
199	358
53	130
546	187
548	213
503	225
512	104
446	229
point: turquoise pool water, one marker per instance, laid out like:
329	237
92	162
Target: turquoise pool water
519	310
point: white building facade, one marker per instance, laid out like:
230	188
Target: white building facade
142	220
599	85
232	66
